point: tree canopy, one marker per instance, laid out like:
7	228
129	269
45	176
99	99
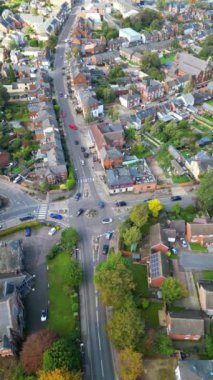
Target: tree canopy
115	73
151	65
59	374
130	364
34	347
69	238
126	327
139	214
131	235
205	191
172	290
155	206
4	97
207	47
163	344
114	280
145	19
63	354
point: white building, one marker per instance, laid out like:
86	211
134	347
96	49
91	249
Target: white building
130	34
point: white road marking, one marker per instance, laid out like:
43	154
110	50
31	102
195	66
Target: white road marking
99	340
96	301
102	368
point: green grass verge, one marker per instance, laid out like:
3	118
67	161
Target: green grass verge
181	179
197	247
63	305
140	278
20	227
150	315
208	275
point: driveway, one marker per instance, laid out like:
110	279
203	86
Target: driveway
36	248
197	261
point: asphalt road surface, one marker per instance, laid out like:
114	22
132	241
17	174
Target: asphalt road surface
197	261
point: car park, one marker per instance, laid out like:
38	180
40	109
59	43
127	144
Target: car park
176	198
121	204
106	220
105	249
77	196
43	315
80	212
52	231
109	235
56	216
27	231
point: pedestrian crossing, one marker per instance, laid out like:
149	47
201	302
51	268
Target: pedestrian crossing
85	180
42	212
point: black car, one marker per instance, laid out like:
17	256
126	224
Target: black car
77	196
86	155
80	211
105	249
176	198
121	204
26	217
76	142
83	149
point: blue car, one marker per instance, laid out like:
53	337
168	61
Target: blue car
77	196
101	204
56	216
27	231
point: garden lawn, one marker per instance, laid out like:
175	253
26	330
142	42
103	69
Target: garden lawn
197	247
170	58
208	275
61	317
210	102
140	279
150	315
181	179
17	111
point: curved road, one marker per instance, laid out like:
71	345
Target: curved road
98	354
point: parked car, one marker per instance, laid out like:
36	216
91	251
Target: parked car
183	243
106	220
77	196
18	179
82	162
176	198
73	126
105	249
52	231
80	212
101	204
109	235
174	251
27	231
1	226
83	149
43	315
86	155
82	348
147	200
76	142
120	204
56	216
26	217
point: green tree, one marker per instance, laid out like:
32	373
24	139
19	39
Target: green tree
76	50
207	47
63	354
59	374
69	238
150	64
33	42
75	276
176	209
44	186
209	346
113	114
52	42
88	117
155	206
114	280
163	344
115	73
139	214
188	87
131	235
12	45
28	30
130	364
172	290
175	44
125	327
111	34
205	192
138	150
11	75
4	97
130	133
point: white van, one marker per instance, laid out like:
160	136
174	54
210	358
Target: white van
52	231
82	162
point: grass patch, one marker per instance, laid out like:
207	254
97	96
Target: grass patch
140	278
200	127
63	303
197	247
150	315
208	275
20	227
181	179
166	59
210	102
17	111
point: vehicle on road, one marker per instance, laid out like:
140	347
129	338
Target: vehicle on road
101	204
56	216
65	96
105	249
44	315
80	212
52	231
183	243
82	348
109	235
121	204
18	179
86	155
26	217
82	162
147	200
1	227
106	220
61	94
176	198
76	142
73	126
27	231
83	149
77	196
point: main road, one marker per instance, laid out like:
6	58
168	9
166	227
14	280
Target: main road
98	353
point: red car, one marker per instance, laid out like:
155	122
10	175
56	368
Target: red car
73	126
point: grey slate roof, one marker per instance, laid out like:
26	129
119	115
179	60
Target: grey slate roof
196	369
187	322
208	286
11	257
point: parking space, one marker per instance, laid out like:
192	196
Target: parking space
36	248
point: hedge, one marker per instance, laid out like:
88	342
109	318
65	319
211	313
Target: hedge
10	230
